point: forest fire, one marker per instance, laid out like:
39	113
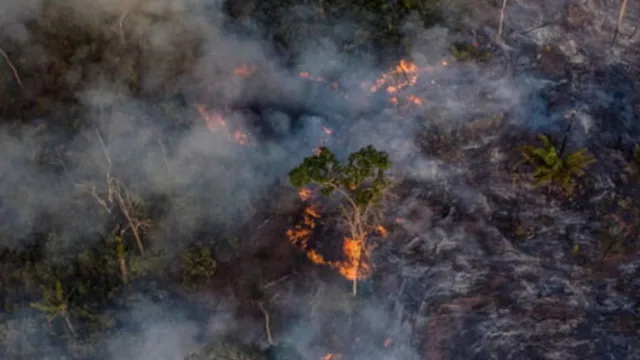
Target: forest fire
214	122
404	75
388	342
331	356
354	266
245	70
304	194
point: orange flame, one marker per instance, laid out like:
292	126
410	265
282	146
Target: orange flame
355	266
241	137
388	342
404	74
214	122
300	234
305	194
356	251
245	70
382	230
332	357
308	76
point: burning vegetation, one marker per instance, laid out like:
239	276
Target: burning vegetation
362	184
152	154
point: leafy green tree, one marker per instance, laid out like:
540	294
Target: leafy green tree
198	265
361	181
55	304
554	167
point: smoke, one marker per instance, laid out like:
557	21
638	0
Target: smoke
132	81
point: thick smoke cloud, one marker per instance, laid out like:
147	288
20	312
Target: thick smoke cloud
162	146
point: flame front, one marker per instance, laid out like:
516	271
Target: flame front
330	356
356	253
245	70
405	74
305	194
214	122
355	266
300	234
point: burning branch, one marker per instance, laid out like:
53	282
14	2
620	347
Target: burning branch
362	183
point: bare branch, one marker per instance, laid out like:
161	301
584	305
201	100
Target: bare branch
91	189
267	323
623	10
127	205
122	19
277	281
13	68
501	24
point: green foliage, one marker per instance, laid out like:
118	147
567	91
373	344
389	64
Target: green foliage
362	178
551	167
465	51
377	24
53	303
149	265
198	266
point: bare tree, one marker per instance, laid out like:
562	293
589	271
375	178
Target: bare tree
363	184
116	195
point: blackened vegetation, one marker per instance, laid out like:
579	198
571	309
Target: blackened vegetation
362	28
72	268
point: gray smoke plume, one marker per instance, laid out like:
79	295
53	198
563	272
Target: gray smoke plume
133	76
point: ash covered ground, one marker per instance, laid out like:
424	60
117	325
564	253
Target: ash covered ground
145	202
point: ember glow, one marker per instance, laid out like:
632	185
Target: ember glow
405	74
356	252
355	267
245	70
215	122
305	75
304	194
330	356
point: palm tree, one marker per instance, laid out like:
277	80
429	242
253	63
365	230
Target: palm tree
553	167
55	304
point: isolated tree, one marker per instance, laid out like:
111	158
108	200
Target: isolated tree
55	304
552	166
361	182
198	266
116	196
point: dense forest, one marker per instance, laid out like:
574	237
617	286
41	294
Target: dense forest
319	179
